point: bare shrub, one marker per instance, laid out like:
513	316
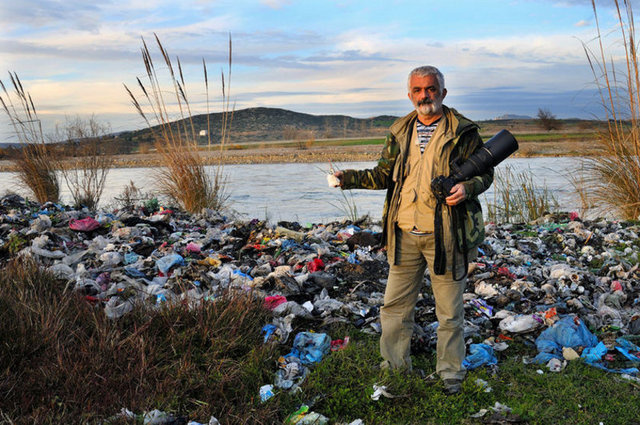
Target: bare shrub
145	148
182	178
88	161
290	132
132	197
547	120
35	162
613	177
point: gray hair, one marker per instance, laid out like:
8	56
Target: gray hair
423	71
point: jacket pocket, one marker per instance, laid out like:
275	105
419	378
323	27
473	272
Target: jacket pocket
473	225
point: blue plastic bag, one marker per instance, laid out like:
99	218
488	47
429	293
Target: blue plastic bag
310	347
479	355
165	263
268	330
131	257
628	349
593	357
566	332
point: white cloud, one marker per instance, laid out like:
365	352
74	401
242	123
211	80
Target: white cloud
73	70
582	23
275	4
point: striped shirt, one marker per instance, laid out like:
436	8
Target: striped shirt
425	132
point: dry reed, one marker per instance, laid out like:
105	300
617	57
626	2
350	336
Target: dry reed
182	178
517	198
613	177
36	164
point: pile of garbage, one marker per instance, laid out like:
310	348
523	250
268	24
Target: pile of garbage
559	280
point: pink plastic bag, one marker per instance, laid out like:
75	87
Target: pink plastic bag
193	248
85	225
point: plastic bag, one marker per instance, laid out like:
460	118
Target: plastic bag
165	263
310	347
84	225
479	355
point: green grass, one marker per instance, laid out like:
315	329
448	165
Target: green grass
342	384
522	137
296	144
543	137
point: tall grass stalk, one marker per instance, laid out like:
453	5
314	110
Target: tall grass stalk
88	160
36	164
517	198
577	180
183	178
614	176
347	204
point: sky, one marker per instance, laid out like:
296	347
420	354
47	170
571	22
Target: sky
347	57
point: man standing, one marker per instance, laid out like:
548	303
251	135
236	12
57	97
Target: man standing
420	147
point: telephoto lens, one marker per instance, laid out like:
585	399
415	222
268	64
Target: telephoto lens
496	150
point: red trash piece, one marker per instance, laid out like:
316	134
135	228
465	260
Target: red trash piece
504	271
315	265
85	225
339	344
616	286
573	216
274	301
92	299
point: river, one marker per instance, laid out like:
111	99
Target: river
299	192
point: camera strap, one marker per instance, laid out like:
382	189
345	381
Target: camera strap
440	259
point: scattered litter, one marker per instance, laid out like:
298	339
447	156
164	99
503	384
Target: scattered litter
568	284
483	385
479	355
266	392
303	416
380	390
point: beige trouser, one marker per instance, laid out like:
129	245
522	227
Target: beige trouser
413	253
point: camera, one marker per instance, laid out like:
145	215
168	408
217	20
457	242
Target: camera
492	153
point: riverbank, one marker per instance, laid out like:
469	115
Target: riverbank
326	151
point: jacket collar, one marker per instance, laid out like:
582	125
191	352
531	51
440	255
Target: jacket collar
455	123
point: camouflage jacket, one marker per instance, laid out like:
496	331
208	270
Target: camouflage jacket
458	138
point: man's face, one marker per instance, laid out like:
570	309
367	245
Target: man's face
426	95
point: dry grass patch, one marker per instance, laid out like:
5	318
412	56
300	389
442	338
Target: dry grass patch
64	361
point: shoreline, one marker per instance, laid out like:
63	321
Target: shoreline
318	154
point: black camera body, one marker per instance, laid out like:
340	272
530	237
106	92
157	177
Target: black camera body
492	153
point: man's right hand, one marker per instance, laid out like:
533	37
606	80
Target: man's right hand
339	176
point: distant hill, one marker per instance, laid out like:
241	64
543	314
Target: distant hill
267	124
512	117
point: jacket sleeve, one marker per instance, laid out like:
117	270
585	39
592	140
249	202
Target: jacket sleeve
478	184
378	176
